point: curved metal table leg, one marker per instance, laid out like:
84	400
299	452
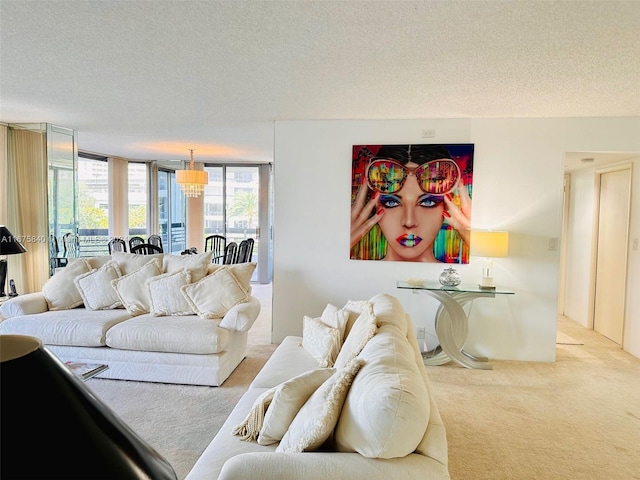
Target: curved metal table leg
452	328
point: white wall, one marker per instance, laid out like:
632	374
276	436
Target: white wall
580	250
518	175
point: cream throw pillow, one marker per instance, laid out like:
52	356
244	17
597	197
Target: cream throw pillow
315	421
215	294
95	287
197	263
130	262
242	272
59	291
320	341
336	318
288	399
363	330
132	288
354	309
165	295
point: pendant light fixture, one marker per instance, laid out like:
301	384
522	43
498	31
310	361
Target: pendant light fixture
192	181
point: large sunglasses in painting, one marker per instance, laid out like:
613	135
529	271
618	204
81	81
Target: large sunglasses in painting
437	177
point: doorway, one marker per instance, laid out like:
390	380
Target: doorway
612	207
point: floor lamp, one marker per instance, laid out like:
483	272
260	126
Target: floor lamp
9	245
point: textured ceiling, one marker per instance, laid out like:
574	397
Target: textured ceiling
151	79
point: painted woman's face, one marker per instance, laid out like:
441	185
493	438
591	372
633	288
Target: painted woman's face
411	222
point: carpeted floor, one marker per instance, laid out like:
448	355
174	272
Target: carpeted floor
577	418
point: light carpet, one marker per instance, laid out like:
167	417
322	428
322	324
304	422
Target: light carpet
577	418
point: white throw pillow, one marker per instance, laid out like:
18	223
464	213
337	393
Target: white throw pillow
354	308
363	330
387	410
320	341
132	288
336	318
130	262
165	295
59	291
288	399
315	421
95	287
215	294
242	272
197	263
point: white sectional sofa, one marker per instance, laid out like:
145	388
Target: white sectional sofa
156	318
360	407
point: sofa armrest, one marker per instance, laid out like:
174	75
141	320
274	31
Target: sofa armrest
242	316
323	465
26	304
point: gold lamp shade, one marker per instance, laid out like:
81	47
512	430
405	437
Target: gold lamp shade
489	244
192	181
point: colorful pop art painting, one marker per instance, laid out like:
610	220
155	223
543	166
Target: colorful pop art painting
411	202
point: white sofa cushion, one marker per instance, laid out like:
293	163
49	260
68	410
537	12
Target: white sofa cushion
76	327
59	291
215	294
130	262
387	410
289	360
95	287
389	311
176	334
165	296
197	263
315	421
363	330
132	288
287	400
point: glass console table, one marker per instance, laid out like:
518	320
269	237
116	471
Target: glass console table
452	324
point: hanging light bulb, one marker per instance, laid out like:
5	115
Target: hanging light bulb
192	181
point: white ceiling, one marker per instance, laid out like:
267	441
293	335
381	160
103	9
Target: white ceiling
152	79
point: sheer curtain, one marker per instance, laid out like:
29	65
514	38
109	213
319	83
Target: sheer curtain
4	181
26	205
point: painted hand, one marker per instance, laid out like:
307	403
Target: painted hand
459	217
360	212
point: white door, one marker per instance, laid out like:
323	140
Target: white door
614	195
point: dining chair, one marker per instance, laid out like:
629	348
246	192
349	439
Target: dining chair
55	260
155	240
133	241
71	245
230	253
215	244
146	249
244	251
117	245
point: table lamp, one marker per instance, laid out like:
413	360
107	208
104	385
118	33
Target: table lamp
9	245
489	244
53	426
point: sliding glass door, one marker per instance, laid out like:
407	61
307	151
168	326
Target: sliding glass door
171	213
236	206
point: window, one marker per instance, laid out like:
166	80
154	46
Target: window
137	199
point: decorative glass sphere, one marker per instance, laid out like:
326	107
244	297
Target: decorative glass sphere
450	277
